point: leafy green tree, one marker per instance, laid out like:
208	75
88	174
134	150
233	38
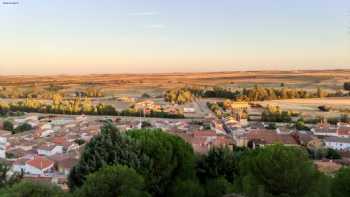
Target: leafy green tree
300	125
332	154
187	188
340	183
218	187
168	158
159	157
32	189
278	171
108	148
22	127
145	95
113	181
6	178
8	125
347	86
219	162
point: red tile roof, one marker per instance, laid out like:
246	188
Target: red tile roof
40	162
59	140
270	137
343	130
204	134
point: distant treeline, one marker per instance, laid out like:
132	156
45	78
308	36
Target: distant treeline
45	92
261	93
179	96
77	106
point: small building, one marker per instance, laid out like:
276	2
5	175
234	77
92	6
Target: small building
263	137
64	166
20	164
239	106
338	143
343	130
189	110
324	129
3	142
39	165
49	150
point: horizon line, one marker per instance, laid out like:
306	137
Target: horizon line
180	72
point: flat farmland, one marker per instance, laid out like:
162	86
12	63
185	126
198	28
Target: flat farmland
309	107
155	84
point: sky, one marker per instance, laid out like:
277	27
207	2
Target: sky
154	36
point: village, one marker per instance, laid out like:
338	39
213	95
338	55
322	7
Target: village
53	145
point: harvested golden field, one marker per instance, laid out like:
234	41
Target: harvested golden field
136	83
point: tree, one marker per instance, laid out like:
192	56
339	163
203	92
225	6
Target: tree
6	178
218	187
167	158
347	86
145	124
332	154
345	118
160	158
340	184
320	93
32	189
8	125
113	181
219	162
187	188
300	125
22	127
145	95
278	171
324	108
110	147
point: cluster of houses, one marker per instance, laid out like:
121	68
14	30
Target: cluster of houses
256	134
334	136
53	146
51	149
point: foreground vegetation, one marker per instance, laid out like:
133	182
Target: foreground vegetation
149	162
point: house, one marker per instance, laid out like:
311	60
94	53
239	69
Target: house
217	126
205	134
324	129
20	164
239	106
263	137
65	165
203	141
38	165
64	162
44	130
3	142
343	130
49	150
303	138
147	105
189	110
338	143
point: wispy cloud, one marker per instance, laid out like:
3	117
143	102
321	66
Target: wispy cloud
143	13
155	26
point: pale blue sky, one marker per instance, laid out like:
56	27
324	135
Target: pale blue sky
111	36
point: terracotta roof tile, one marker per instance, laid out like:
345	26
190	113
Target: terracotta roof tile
40	162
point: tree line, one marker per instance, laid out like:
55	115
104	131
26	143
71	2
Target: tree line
77	106
45	92
263	93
